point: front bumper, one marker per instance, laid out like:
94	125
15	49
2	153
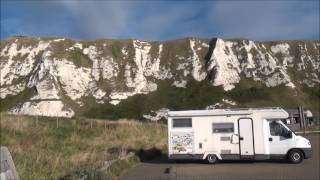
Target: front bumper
307	152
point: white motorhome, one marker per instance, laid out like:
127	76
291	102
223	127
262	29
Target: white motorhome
232	134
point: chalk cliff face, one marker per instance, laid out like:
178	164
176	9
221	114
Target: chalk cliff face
56	76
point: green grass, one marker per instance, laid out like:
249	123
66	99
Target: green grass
116	169
249	93
42	151
80	59
11	101
115	49
198	95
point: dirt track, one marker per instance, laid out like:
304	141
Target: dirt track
161	168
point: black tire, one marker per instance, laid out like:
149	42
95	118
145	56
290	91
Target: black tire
295	156
212	159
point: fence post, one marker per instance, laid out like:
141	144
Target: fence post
91	123
14	129
18	121
36	121
57	122
105	124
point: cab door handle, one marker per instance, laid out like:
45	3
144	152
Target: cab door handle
240	138
270	139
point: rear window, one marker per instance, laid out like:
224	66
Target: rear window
185	122
222	127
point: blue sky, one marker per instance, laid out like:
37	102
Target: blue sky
161	20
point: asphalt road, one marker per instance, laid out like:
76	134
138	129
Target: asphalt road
161	168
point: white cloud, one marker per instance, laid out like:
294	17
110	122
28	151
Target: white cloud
131	19
165	19
101	18
156	20
266	20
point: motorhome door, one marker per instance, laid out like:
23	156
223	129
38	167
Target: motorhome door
246	138
280	139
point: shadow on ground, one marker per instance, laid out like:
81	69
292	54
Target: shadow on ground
156	156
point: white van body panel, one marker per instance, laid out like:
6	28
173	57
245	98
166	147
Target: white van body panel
302	142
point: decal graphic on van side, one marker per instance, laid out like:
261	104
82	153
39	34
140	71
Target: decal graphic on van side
182	142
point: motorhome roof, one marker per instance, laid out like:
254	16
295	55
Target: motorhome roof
272	112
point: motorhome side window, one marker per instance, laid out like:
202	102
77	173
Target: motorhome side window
276	129
180	123
222	127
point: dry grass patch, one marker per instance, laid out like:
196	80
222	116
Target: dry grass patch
74	150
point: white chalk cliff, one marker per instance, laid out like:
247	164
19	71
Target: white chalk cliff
60	71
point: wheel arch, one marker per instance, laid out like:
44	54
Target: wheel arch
302	152
211	152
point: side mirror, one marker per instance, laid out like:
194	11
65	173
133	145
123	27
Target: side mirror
289	135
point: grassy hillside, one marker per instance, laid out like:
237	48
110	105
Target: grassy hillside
74	150
198	95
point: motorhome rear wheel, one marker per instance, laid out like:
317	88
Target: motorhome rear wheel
212	159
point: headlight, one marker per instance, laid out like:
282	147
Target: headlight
309	143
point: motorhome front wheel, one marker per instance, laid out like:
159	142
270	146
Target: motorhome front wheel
295	156
212	159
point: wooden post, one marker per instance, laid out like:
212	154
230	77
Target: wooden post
302	119
105	124
14	129
18	121
36	121
91	123
75	125
57	122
